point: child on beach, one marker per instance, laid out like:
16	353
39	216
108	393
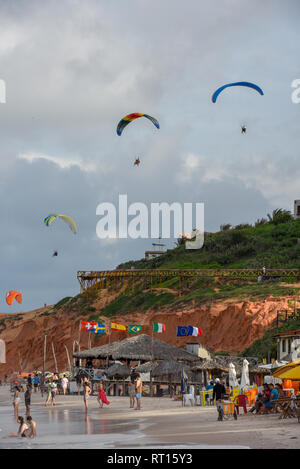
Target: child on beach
131	392
102	396
16	401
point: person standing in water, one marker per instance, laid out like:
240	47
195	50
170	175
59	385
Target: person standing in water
139	390
86	394
131	392
16	401
27	396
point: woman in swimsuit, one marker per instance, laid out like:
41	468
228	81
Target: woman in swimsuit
86	394
16	401
22	428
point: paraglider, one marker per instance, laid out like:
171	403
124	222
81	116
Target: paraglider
137	162
55	254
68	220
239	83
243	129
130	117
13	295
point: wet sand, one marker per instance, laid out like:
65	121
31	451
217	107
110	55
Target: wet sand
161	422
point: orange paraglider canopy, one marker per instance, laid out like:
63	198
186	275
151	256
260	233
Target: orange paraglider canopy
13	295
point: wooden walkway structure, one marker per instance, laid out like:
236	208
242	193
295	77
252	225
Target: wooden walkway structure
154	277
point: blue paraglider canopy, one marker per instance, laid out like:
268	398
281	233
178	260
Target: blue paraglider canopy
239	83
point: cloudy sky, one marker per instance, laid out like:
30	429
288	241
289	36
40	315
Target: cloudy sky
72	69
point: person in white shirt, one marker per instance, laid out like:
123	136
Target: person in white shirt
64	383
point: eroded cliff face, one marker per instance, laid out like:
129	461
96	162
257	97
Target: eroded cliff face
227	326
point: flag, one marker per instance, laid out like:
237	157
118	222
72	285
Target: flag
134	328
117	327
158	327
195	331
182	331
87	325
98	329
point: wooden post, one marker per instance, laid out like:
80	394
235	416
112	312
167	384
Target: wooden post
68	357
44	363
55	362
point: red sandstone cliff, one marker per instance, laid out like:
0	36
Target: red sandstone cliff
227	326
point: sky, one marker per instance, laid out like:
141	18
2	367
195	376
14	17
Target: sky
73	69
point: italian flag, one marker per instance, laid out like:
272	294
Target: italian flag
158	327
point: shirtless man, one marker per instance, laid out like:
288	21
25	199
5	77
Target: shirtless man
31	431
139	389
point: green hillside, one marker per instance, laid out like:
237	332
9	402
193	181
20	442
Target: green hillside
273	244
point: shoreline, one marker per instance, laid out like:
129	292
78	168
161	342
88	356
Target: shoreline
161	421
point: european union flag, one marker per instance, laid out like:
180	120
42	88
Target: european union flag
182	331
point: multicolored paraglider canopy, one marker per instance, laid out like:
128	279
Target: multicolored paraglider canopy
238	83
131	117
68	220
13	295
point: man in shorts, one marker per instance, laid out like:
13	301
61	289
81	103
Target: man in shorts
27	397
139	390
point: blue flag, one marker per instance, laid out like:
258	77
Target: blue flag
182	331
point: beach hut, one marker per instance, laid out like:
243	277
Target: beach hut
141	348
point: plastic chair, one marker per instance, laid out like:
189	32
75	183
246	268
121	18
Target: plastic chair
241	401
189	397
235	392
250	394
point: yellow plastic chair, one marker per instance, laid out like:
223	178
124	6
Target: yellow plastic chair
234	393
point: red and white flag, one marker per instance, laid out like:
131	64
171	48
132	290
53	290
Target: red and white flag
87	325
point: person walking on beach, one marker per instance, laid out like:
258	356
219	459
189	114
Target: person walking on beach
27	397
29	380
78	382
86	394
53	388
102	399
31	431
64	383
139	390
36	382
16	401
219	390
131	392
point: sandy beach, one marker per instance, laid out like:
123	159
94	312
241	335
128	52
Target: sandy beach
161	422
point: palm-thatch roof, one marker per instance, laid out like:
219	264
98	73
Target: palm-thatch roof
140	347
211	365
145	367
169	368
118	371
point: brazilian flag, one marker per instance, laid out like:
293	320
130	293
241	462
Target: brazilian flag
134	328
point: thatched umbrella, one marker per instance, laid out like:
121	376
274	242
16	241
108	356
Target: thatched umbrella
118	371
169	368
145	367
